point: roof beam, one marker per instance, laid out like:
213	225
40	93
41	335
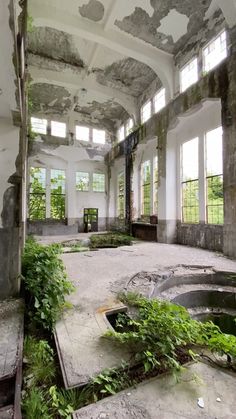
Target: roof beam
73	82
161	62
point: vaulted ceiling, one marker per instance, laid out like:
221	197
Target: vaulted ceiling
92	59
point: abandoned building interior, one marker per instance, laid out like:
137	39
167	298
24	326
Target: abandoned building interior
119	116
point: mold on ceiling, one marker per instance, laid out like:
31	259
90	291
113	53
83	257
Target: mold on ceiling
128	75
55	45
93	10
49	99
105	115
167	37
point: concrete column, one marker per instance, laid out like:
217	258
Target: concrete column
167	196
202	183
71	207
48	192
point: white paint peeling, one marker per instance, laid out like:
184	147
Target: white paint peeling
174	24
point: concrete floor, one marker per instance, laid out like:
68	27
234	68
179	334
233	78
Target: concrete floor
97	277
163	398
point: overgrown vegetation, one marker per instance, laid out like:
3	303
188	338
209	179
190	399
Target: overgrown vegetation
110	240
45	282
162	334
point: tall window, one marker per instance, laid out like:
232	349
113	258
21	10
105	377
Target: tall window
159	100
189	74
37	196
98	182
82	133
215	52
146	111
214	177
39	125
99	136
58	182
121	195
146	188
190	183
58	129
82	181
129	126
155	185
121	133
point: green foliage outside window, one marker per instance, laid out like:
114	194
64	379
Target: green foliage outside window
190	201
215	200
58	180
82	181
146	188
121	196
37	196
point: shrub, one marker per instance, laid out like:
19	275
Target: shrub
162	332
45	282
110	240
39	359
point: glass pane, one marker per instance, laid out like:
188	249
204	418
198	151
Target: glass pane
82	133
99	136
190	160
98	182
215	200
214	152
37	197
58	129
82	181
190	202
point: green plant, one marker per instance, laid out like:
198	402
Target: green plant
45	282
110	381
162	334
110	240
59	403
35	405
39	359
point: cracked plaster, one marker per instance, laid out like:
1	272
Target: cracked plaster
93	10
53	44
143	26
49	99
129	76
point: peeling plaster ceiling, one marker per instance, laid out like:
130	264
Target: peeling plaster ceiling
92	39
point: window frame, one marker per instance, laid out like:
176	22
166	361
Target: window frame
82	139
120	196
93	136
39	131
189	182
88	183
57	129
212	178
204	69
160	93
104	177
145	185
148	102
182	87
